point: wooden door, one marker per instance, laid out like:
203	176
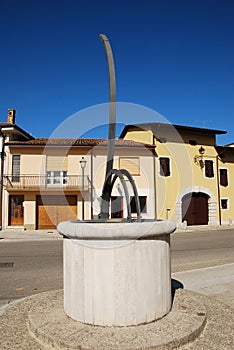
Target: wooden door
195	208
16	210
51	210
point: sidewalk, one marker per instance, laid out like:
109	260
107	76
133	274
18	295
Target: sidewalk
204	228
215	281
29	234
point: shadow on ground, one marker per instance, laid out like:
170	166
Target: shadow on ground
175	284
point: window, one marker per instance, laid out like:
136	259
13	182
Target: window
209	168
56	174
143	200
224	203
164	166
16	168
132	164
56	177
223	177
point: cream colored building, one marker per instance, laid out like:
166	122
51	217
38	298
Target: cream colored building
43	180
190	172
9	131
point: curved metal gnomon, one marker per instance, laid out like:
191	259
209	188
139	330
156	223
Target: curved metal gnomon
112	124
109	182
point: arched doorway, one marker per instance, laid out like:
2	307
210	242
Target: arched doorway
195	208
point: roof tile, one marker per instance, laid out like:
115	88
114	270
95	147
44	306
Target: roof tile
77	142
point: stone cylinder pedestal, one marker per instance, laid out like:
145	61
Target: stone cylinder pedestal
117	274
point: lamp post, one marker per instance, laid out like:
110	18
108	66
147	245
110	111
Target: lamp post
83	165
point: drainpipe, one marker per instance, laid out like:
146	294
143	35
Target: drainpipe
1	174
155	183
218	188
91	179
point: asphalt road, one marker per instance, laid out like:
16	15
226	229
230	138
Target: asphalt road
195	250
31	267
37	267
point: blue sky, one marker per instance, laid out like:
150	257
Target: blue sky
175	57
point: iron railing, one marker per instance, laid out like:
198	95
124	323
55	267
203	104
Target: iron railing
41	182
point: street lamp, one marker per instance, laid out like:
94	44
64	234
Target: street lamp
83	165
198	159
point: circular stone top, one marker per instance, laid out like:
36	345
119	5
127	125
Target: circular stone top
116	230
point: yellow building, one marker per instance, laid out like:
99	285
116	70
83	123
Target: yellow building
226	188
189	172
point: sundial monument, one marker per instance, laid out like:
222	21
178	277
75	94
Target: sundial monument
116	273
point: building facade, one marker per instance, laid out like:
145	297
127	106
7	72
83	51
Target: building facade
44	183
193	175
226	186
9	131
180	173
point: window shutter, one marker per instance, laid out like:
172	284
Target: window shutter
131	164
209	168
56	163
223	177
164	166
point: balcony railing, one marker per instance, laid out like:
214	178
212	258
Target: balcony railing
42	182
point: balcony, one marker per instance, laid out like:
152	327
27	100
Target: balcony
43	182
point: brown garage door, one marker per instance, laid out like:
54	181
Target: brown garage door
195	208
53	209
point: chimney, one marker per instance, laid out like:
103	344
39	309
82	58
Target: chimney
11	116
